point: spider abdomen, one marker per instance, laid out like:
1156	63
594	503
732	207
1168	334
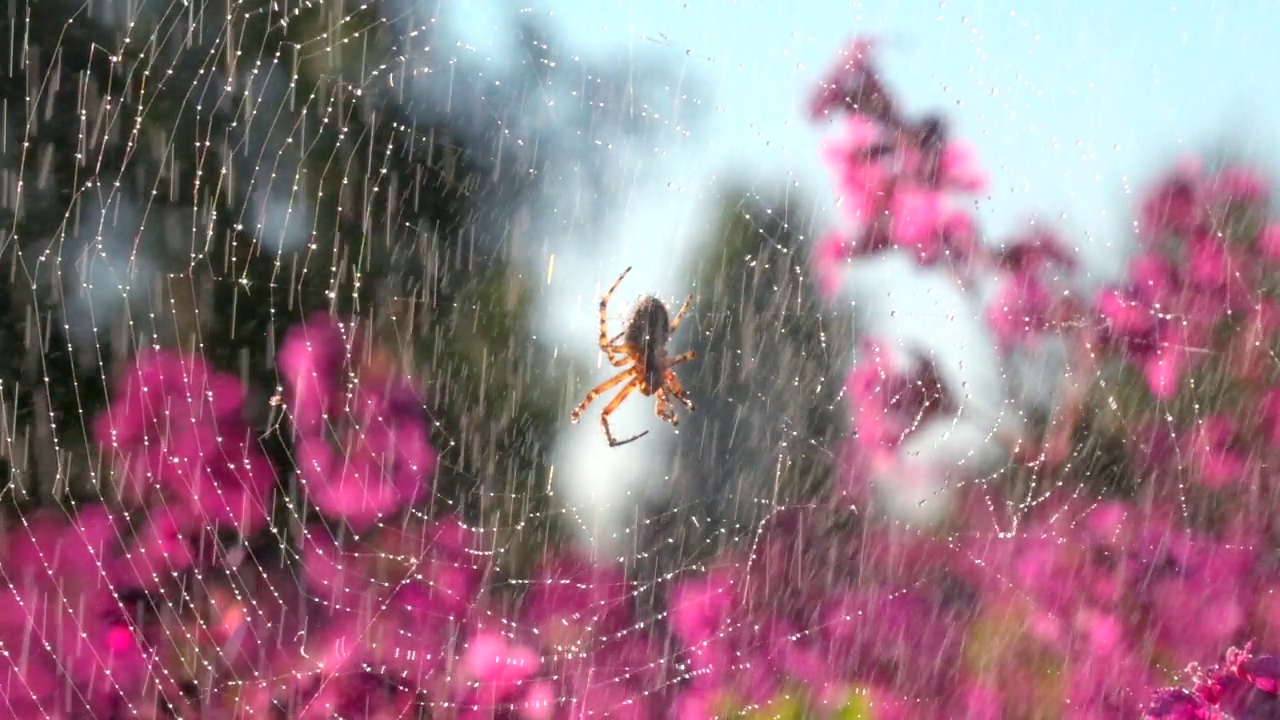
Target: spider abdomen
647	334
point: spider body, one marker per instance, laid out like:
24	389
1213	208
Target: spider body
645	339
642	345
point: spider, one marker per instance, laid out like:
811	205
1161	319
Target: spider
643	344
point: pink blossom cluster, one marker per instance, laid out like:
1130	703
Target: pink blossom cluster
1091	604
362	445
1243	686
898	179
163	600
1199	268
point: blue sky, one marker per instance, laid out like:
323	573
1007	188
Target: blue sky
1072	107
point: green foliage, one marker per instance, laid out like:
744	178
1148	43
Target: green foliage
767	410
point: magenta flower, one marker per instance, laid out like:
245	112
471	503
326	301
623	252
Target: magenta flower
889	404
960	170
362	446
1020	311
699	606
161	394
893	176
1035	252
1220	456
494	660
58	599
626	676
178	428
221	475
1183	618
726	657
1270	417
572	600
1174	206
31	685
1269	240
311	362
1179	704
497	672
432	571
917	214
1236	184
1105	687
862	176
1155	323
831	255
1243	687
845	82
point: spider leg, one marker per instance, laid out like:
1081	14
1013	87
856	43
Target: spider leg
598	390
608	410
671	384
682	358
619	355
675	321
615	351
604	311
665	409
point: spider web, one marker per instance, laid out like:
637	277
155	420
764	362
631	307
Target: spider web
204	178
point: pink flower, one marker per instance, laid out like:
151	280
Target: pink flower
1156	323
431	571
1240	687
1124	317
897	636
917	215
57	602
1174	206
1185	618
625	676
362	450
842	82
572	599
889	404
1153	278
863	177
981	701
1164	371
830	261
698	606
178	428
1261	671
310	362
163	392
172	541
959	235
1220	457
1270	417
1101	688
223	478
353	488
1237	184
1269	240
1178	704
497	671
1019	311
960	170
1034	252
